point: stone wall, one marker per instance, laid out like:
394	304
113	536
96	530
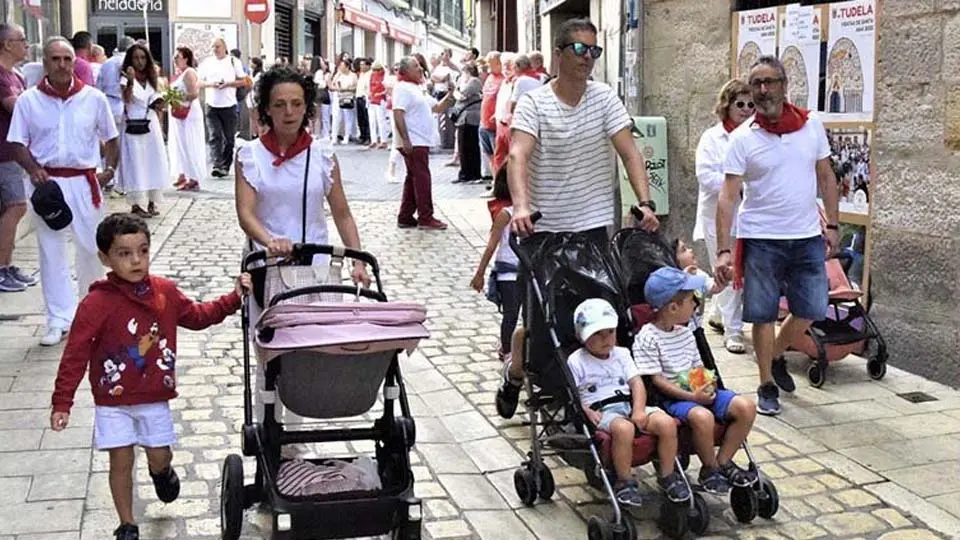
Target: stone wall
915	264
915	247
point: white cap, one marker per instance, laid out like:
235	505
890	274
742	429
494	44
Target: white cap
592	316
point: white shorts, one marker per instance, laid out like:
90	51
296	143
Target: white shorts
149	425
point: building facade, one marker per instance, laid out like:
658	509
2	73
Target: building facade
896	96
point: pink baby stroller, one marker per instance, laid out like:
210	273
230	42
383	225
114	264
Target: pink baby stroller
848	328
326	360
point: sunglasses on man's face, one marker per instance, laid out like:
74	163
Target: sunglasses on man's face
582	49
745	105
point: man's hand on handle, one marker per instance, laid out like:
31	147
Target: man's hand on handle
648	221
522	222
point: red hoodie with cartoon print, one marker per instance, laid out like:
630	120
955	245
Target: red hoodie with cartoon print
127	334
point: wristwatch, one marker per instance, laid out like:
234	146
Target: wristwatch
649	204
833	227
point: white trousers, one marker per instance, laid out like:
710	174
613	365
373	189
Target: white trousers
729	303
345	122
324	121
378	123
58	293
142	198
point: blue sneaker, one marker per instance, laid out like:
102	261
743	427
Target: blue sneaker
768	399
21	276
8	283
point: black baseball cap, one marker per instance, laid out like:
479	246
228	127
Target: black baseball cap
48	203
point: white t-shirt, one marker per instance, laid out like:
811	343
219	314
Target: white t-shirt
572	167
280	190
523	85
598	379
63	133
779	179
711	152
417	109
501	110
227	69
505	253
668	353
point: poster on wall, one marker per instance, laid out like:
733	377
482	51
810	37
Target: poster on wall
851	152
799	39
199	37
851	53
756	36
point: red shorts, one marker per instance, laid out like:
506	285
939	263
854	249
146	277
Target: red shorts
501	148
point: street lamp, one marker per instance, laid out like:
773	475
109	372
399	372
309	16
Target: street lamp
146	26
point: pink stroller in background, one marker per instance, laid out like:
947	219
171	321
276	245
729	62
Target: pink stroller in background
848	328
326	360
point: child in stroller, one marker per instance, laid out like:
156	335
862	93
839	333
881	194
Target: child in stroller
666	349
614	400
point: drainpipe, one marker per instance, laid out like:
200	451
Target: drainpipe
631	70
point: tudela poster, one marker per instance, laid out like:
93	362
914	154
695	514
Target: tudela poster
800	53
756	36
851	58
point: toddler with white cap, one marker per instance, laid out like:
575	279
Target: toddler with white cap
614	399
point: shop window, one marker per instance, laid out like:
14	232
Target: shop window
345	38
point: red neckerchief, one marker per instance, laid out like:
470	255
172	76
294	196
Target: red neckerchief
542	71
269	140
729	125
402	77
48	89
791	119
529	72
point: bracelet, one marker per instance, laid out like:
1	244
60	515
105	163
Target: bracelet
833	227
722	252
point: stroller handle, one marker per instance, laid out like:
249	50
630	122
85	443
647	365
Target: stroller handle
319	289
515	242
305	252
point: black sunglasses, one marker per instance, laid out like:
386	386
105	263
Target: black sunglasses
745	104
582	49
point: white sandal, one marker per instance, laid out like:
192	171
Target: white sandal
734	344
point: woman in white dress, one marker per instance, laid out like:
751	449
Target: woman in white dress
345	82
143	158
188	156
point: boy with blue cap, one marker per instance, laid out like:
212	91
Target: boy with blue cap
666	349
615	400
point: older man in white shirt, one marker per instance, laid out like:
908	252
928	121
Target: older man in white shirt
221	75
56	143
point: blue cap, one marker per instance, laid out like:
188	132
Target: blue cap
666	282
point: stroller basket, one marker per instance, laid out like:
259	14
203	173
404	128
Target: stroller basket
335	355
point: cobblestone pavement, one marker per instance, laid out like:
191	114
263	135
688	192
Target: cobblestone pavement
851	460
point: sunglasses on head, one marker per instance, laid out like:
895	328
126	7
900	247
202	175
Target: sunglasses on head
582	49
744	104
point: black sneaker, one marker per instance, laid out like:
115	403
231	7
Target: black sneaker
736	476
508	395
712	481
768	399
218	173
674	487
127	531
167	484
781	376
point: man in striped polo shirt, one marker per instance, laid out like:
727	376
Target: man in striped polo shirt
561	163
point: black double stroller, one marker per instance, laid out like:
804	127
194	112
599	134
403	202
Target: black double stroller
326	360
562	270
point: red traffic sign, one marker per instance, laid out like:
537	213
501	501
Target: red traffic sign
256	11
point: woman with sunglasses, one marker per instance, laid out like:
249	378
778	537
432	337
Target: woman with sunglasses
734	106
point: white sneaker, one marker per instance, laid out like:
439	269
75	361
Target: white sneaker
53	336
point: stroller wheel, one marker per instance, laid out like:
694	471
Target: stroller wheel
817	375
673	518
599	529
876	368
547	485
768	500
526	486
231	498
744	503
628	526
699	516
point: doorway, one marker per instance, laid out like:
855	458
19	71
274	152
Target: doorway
107	33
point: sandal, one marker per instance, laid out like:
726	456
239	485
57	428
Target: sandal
735	344
674	487
737	476
628	494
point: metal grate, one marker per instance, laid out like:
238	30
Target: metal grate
917	397
284	33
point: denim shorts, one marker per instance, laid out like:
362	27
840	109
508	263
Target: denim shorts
792	268
721	404
12	187
487	136
618	410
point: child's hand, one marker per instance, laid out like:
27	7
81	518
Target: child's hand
244	284
594	416
639	419
692	269
704	396
477	283
59	420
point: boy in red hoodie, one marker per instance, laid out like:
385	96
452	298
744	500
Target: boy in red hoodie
125	329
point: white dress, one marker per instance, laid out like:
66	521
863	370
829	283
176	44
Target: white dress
143	158
187	139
